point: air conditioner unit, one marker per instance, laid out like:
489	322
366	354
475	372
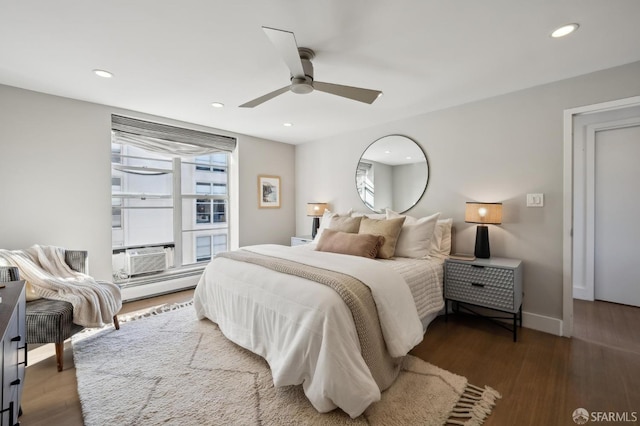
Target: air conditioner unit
145	260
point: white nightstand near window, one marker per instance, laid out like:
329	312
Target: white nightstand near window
297	241
494	283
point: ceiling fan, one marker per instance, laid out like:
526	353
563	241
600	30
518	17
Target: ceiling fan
298	59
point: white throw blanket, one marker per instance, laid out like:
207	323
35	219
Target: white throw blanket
44	268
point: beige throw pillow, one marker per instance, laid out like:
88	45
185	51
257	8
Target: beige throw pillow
345	224
365	245
389	229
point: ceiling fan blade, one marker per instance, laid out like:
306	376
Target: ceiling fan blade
367	96
285	42
265	98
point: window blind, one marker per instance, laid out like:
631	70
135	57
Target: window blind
168	139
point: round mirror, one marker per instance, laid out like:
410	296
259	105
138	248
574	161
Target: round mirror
392	174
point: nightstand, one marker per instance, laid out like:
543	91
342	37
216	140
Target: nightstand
297	241
494	283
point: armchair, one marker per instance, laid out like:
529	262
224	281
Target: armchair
51	321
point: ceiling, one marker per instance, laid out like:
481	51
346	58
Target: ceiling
174	58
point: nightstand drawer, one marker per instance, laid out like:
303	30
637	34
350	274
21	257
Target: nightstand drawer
496	277
481	293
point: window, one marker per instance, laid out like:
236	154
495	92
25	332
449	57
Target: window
159	199
210	211
206	246
116	203
364	183
203	248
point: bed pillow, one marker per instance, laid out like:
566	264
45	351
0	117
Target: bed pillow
345	224
441	243
415	236
325	220
364	245
388	228
369	215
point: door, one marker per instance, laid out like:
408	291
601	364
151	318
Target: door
616	218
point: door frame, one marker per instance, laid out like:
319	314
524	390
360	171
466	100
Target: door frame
568	256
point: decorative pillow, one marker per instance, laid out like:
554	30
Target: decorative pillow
388	228
369	215
345	224
325	220
441	243
365	245
416	235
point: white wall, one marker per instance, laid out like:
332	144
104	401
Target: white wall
493	150
260	157
55	176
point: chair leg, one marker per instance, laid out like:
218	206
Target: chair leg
59	354
116	323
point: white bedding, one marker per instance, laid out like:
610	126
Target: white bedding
303	329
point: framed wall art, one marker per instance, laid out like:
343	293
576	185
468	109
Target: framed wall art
268	192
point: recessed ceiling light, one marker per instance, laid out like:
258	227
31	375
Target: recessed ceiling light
387	152
217	104
103	73
287	124
564	30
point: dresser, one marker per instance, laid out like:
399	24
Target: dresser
14	349
494	283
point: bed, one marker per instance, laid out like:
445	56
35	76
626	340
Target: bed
307	332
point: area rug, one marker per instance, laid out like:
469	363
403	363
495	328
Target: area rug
167	367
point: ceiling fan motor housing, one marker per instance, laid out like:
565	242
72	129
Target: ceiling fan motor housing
299	84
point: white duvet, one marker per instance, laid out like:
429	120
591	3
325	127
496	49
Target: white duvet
303	329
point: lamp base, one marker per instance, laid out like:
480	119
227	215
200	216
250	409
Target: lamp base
482	242
315	226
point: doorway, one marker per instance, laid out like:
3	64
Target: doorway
593	135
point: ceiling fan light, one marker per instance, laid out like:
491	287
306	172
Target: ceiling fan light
301	86
217	104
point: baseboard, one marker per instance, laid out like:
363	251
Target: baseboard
542	323
158	288
582	293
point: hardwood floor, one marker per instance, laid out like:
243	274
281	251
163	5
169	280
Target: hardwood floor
542	378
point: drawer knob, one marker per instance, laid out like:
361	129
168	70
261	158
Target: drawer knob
477	284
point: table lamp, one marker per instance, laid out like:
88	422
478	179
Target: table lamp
483	214
315	210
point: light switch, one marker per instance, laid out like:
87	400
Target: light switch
535	200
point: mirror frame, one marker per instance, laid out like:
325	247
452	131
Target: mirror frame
426	159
